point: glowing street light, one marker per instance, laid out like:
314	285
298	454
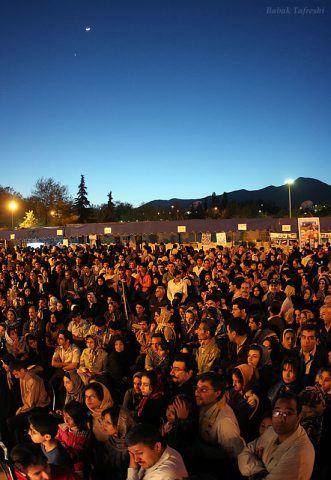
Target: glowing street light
12	206
289	183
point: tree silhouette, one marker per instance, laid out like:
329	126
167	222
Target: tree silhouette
81	202
49	195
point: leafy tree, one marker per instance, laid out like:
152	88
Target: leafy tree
49	195
81	202
29	221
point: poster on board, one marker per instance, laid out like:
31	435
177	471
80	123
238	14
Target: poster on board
309	231
205	238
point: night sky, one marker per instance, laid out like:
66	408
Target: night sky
164	98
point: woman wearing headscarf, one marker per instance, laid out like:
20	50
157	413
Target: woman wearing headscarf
117	421
97	399
93	359
244	401
74	387
152	406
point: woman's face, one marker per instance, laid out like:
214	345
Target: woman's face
288	374
136	385
306	295
119	346
89	298
13	335
253	358
68	420
189	317
10	316
322	284
108	425
237	385
267	345
90	343
2	331
256	292
266	422
289	340
53	318
68	385
171	413
146	388
91	399
324	381
156	317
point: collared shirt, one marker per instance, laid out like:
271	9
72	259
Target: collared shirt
170	466
72	355
293	459
207	355
309	361
221	428
80	329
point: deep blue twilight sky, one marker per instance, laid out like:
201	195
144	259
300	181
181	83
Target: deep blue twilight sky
164	98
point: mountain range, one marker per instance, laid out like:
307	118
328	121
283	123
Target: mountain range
302	190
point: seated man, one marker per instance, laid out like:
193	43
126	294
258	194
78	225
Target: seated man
30	463
33	394
150	458
284	450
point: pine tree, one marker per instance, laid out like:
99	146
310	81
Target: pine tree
81	201
109	212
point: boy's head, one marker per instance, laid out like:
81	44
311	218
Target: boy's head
43	427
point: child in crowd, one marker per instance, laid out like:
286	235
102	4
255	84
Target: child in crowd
43	430
74	434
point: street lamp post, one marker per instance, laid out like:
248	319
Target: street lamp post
289	183
12	207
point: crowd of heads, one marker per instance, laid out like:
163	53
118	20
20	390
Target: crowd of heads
160	333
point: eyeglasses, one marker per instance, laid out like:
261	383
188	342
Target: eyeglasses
177	369
279	413
203	389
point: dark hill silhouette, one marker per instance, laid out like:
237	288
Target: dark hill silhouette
302	189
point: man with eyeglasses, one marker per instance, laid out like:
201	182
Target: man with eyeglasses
182	374
219	441
284	450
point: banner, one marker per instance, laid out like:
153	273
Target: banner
309	231
206	238
221	238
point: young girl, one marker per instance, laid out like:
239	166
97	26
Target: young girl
74	434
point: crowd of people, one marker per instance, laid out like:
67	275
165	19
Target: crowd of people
166	364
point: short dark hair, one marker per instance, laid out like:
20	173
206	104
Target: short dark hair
290	396
188	360
242	303
309	327
275	307
146	434
216	380
44	423
238	325
25	455
17	364
209	325
97	389
67	335
113	412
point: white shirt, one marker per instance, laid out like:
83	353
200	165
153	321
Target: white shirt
170	466
180	287
292	459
